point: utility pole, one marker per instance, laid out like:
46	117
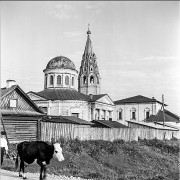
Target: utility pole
163	109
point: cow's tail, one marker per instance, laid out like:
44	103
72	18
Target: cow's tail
16	162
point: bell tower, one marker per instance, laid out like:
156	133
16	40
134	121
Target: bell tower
89	81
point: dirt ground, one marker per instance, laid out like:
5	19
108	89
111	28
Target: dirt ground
9	175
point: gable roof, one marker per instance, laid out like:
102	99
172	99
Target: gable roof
109	124
6	91
136	99
61	94
169	117
66	119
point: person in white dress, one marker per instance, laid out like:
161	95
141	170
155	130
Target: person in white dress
4	145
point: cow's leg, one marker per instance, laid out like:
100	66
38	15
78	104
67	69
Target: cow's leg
22	167
41	169
44	176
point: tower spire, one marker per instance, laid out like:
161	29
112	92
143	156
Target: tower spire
88	48
89	77
88	32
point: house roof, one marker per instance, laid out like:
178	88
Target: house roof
136	99
152	125
66	119
169	117
61	94
6	91
109	124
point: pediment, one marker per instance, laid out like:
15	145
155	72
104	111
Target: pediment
106	100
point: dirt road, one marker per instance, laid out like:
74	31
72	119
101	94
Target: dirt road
8	175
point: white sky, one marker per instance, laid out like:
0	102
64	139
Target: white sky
136	44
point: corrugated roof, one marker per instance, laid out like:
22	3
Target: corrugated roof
66	119
19	112
169	117
136	99
62	94
109	124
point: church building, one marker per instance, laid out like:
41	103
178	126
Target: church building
68	93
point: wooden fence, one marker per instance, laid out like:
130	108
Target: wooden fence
51	130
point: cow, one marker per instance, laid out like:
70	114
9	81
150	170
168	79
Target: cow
39	151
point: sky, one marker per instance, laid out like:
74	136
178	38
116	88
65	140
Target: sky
136	44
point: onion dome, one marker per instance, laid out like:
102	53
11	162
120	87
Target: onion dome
60	62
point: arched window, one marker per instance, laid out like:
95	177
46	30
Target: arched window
58	80
72	81
91	69
51	80
67	80
84	80
92	79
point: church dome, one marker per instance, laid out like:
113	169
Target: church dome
60	62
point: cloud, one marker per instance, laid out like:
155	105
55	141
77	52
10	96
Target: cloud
64	11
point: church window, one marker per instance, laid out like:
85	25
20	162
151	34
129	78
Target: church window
120	114
84	80
147	113
133	113
46	81
58	80
75	114
67	80
51	80
72	81
91	68
97	80
91	79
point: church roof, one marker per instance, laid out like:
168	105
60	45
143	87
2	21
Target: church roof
62	94
98	96
60	62
136	99
66	119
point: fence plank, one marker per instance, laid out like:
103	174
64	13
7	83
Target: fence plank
56	130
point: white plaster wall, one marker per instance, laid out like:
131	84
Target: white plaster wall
66	108
140	110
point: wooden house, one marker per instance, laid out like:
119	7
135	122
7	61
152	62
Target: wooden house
20	116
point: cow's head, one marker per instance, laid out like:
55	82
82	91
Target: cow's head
58	152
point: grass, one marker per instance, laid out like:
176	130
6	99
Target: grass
118	160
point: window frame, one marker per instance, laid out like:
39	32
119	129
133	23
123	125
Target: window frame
11	103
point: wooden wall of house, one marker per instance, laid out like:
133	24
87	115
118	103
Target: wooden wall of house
22	128
51	130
